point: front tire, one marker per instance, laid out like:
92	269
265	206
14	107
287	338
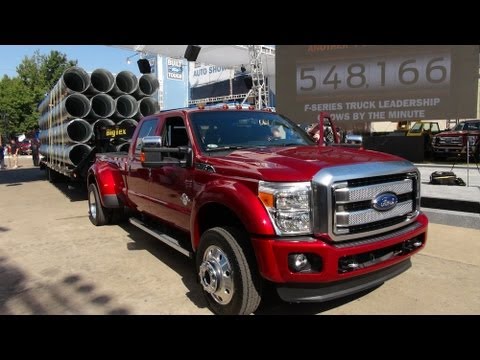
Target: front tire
97	213
227	270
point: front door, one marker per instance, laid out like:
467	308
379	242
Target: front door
171	185
138	177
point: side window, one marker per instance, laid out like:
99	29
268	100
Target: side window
175	134
147	129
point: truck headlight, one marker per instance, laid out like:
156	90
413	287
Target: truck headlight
289	206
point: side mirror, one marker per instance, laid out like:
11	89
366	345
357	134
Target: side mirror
151	142
154	155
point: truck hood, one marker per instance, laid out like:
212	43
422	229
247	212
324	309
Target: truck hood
458	133
290	164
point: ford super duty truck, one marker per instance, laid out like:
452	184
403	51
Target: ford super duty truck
462	139
257	202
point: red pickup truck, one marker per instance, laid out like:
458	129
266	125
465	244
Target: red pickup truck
463	138
251	196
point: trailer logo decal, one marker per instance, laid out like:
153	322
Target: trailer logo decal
115	132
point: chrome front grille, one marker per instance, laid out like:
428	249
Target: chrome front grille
368	192
346	219
453	140
350	191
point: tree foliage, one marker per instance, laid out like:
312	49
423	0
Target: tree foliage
18	106
20	96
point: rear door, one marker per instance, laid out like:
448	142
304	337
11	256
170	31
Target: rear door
138	177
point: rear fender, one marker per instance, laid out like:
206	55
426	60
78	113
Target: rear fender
110	184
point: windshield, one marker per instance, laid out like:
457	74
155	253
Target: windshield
416	128
458	127
467	126
225	130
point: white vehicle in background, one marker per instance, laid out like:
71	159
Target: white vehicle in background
353	139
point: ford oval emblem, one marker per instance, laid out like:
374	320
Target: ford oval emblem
385	201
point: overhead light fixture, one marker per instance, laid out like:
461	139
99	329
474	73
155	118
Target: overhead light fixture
131	56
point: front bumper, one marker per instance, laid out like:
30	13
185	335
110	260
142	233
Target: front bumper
330	291
373	254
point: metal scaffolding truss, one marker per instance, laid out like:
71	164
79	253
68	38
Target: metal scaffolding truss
225	98
259	90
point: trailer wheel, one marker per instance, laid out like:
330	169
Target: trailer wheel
52	176
97	213
227	270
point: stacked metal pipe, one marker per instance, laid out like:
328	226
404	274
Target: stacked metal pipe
80	102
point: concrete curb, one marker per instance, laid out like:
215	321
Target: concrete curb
450	204
453	218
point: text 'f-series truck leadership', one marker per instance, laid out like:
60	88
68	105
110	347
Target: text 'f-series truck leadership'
257	202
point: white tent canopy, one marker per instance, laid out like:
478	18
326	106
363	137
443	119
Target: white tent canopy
229	56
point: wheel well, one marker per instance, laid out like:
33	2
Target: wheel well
90	180
212	215
217	215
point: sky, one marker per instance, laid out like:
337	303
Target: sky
90	57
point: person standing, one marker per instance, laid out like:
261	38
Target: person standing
35	148
2	155
14	149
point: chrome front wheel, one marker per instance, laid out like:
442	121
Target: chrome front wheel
216	275
227	271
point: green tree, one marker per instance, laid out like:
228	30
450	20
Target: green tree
41	72
18	104
20	96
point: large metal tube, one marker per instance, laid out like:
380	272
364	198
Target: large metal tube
128	122
146	106
73	80
103	106
125	83
100	123
69	154
131	122
147	85
74	131
123	147
73	106
126	106
102	81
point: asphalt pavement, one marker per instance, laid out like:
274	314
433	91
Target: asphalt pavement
54	261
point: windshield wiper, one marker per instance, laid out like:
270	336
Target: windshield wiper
293	144
281	144
224	148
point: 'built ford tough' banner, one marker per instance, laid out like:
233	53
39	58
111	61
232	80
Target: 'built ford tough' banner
377	83
174	69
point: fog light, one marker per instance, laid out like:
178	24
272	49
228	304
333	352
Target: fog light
298	262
